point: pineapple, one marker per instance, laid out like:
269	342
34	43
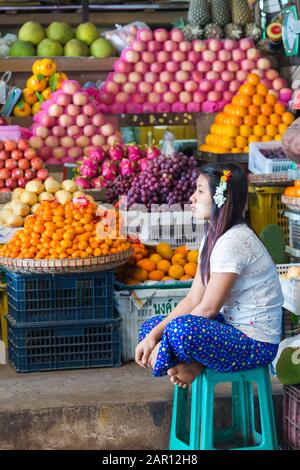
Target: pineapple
199	12
220	12
241	13
213	31
233	31
192	32
253	31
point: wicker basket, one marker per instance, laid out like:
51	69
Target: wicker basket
270	179
293	203
56	266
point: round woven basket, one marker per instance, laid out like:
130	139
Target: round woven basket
70	265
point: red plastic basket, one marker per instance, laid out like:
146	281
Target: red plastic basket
291	417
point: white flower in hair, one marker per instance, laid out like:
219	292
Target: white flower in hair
219	197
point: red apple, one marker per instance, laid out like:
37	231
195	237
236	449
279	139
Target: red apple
22	144
22	182
1	145
1	184
17	154
11	183
24	164
37	163
5	190
2	164
17	173
42	174
4	155
29	174
11	164
29	153
10	145
5	174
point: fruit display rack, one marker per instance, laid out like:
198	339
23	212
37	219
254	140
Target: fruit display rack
223	157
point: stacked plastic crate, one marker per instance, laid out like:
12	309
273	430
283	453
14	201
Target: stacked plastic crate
62	321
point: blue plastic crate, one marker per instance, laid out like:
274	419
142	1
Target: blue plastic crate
79	345
60	297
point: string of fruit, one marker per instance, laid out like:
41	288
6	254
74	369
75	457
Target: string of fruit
44	81
159	264
58	231
254	115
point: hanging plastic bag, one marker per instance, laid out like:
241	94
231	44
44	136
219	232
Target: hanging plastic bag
9	95
123	36
287	361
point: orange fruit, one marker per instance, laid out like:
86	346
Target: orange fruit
247	89
254	110
164	266
249	120
259	131
282	128
253	138
165	250
279	108
263	120
156	275
147	264
179	258
262	89
288	118
266	109
167	278
140	274
241	142
253	79
186	277
235	150
275	119
271	130
182	249
190	269
176	271
258	100
278	137
241	100
155	258
266	138
245	130
246	149
271	99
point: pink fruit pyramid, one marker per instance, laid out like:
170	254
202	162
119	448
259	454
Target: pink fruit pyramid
162	72
69	123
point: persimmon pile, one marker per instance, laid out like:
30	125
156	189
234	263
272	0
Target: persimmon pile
59	231
254	115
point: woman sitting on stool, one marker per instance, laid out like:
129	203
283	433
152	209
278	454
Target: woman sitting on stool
231	318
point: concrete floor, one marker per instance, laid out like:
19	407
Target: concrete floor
114	408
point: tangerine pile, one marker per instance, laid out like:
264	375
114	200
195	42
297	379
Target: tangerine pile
254	115
59	231
164	264
293	191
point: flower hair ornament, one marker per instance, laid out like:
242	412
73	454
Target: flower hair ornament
219	197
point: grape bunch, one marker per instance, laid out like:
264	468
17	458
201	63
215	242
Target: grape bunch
274	154
120	186
168	180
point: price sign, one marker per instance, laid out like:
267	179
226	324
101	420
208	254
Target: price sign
6	234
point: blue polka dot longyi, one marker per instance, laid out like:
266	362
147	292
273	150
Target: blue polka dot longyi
213	343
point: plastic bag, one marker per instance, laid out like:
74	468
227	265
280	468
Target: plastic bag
287	361
9	95
123	36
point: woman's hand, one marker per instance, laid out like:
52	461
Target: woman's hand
144	349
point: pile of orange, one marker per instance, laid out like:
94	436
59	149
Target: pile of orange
254	115
164	264
60	232
39	86
293	191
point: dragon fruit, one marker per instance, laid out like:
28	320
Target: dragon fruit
99	183
89	168
127	167
84	183
109	170
116	152
153	152
144	164
96	155
134	153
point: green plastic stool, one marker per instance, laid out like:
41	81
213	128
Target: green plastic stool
201	436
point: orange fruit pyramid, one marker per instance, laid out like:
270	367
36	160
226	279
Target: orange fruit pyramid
254	115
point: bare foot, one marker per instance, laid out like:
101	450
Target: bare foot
153	355
184	374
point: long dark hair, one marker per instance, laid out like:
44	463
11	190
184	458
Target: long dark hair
230	214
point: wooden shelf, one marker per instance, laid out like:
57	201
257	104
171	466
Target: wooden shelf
65	64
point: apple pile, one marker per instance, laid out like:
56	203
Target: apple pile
69	123
162	72
19	164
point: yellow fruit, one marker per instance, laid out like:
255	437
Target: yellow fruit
167	278
155	258
193	256
165	250
282	128
186	277
176	271
246	149
266	138
278	137
259	131
156	275
36	108
241	142
164	266
179	259
190	269
227	142
245	131
272	130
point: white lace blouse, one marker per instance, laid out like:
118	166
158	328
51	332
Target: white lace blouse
254	304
